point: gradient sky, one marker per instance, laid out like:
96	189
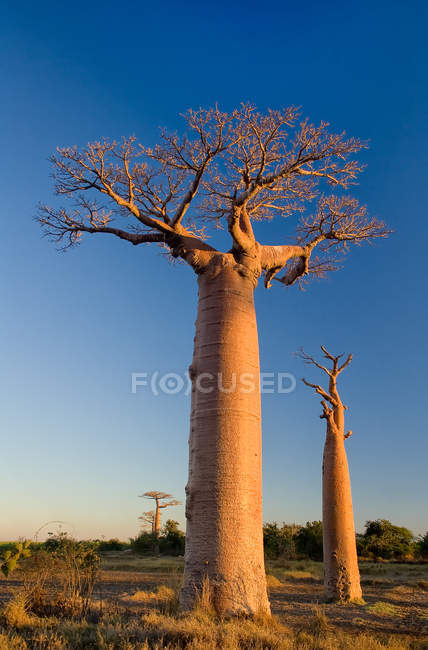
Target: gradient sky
76	445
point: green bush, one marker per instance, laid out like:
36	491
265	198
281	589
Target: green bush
309	540
170	541
384	540
111	545
59	578
144	543
12	556
280	542
422	545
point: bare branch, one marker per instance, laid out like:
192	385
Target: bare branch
148	519
321	392
308	360
343	366
61	227
236	168
332	394
337	223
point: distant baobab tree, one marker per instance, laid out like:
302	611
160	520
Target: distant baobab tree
228	169
160	503
148	519
341	572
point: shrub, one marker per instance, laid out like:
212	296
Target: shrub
60	578
280	542
144	543
422	545
172	539
309	540
111	545
15	612
384	540
170	542
11	556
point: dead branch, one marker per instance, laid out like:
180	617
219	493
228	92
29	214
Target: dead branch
332	396
321	392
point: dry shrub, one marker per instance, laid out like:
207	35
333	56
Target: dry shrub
61	582
12	642
272	582
162	594
304	576
204	599
15	612
164	598
318	625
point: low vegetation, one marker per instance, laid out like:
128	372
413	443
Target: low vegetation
381	540
105	595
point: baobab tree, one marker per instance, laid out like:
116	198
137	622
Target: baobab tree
160	503
228	169
341	573
148	520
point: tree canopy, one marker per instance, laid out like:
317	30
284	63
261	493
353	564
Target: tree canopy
228	170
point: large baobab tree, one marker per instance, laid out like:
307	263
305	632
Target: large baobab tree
228	169
341	573
162	500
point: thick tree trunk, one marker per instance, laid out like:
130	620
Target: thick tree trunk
157	520
224	536
341	573
156	529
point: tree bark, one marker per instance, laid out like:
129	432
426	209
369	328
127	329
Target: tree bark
224	536
157	520
341	573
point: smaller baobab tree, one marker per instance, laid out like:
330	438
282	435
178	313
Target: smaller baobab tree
148	520
162	500
341	573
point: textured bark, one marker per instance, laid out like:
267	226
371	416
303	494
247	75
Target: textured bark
157	520
224	537
341	573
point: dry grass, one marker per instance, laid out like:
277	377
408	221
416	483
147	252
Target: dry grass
382	609
15	612
138	610
272	581
195	631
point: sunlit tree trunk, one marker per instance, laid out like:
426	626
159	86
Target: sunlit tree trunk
341	573
224	537
157	519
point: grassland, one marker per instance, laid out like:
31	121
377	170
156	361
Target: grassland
134	605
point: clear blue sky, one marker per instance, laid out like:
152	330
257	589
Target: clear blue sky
76	444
